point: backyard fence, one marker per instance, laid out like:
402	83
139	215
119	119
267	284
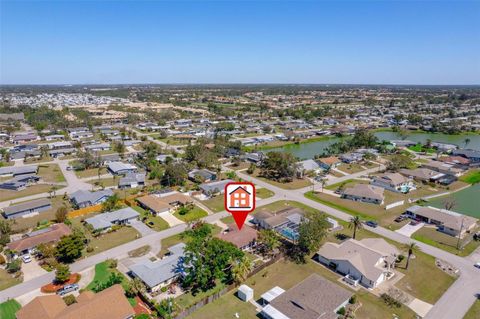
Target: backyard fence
84	211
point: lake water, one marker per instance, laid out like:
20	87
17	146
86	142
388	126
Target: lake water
309	150
467	201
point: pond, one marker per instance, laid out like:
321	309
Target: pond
466	201
310	149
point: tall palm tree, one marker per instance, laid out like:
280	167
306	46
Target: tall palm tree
269	239
410	248
355	223
241	269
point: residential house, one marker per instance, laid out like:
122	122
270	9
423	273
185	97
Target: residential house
448	222
30	241
160	273
18	171
244	239
422	174
285	222
472	155
154	204
309	165
132	180
444	168
329	162
203	175
120	168
368	262
27	208
313	298
212	188
97	147
82	198
20	182
456	161
105	221
110	303
394	182
364	193
12	117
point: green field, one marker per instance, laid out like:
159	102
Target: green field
8	309
472	177
193	214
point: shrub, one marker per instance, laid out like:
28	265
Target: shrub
69	299
112	263
341	311
62	273
390	301
14	266
164	289
2	260
89	249
353	300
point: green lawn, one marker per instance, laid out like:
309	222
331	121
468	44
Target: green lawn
350	168
6	280
155	222
443	241
30	190
105	182
113	239
102	273
264	193
472	177
474	312
8	309
216	203
179	238
348	182
194	214
419	148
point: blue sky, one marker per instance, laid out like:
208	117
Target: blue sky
356	42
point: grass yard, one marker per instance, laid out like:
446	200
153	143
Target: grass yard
30	190
90	172
194	214
112	239
474	312
51	173
105	182
8	309
348	182
6	280
102	273
216	203
179	238
264	193
472	177
350	168
296	183
432	237
419	148
155	222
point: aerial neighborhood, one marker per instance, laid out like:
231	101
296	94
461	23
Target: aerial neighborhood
112	202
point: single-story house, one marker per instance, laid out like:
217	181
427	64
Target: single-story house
315	297
329	162
351	157
472	155
368	262
28	243
285	222
422	174
394	182
176	199
120	168
110	303
309	165
217	187
441	167
364	193
457	161
132	180
16	171
27	208
448	222
119	217
154	204
160	273
19	182
97	147
244	239
82	198
204	175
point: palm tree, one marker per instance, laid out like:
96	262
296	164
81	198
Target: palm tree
466	141
136	286
410	248
323	182
355	223
269	239
241	269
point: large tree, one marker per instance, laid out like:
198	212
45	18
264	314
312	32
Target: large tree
5	231
70	247
62	273
410	248
356	224
175	174
268	240
311	232
279	166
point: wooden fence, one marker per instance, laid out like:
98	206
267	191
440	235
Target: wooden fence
129	201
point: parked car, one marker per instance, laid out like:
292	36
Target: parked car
371	223
400	218
69	168
477	265
67	289
26	259
414	222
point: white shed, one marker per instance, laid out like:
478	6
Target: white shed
245	293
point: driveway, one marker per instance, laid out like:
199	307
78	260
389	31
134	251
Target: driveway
170	219
408	229
143	229
420	307
32	270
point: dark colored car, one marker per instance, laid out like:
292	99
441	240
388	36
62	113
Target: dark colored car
371	223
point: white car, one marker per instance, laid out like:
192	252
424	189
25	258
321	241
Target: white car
477	265
26	259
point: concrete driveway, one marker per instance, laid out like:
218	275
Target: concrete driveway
143	229
170	219
32	270
408	229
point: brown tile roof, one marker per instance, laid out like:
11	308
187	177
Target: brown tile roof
313	298
239	238
154	203
367	191
330	160
110	303
54	234
177	197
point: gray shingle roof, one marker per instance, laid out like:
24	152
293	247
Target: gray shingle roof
11	210
106	220
82	196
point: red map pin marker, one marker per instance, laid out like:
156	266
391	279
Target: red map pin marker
239	200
